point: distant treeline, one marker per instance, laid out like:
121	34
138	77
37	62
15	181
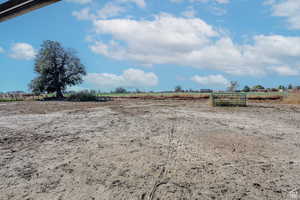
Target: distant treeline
178	89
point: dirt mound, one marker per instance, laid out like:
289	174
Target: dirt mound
166	97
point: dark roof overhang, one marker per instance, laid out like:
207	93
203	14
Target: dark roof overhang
13	8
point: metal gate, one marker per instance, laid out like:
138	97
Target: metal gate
228	99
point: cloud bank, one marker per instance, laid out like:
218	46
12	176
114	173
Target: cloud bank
192	42
288	9
211	80
22	51
130	78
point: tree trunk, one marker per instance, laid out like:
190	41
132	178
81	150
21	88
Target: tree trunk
59	94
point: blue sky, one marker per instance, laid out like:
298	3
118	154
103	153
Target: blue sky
158	44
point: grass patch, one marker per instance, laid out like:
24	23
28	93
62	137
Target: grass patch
293	98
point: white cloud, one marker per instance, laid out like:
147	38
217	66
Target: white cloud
131	78
214	7
80	1
140	3
22	51
84	14
269	2
211	80
1	50
109	10
192	42
290	9
218	11
189	12
152	42
176	1
285	71
222	1
217	1
77	88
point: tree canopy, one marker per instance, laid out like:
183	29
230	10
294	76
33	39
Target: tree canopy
246	89
281	87
120	90
258	87
178	88
57	68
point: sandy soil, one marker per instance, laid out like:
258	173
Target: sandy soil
148	150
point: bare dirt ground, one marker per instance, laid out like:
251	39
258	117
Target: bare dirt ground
134	149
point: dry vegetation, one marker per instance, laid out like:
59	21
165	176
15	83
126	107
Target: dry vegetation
197	96
293	98
145	149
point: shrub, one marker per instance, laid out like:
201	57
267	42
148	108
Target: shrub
83	96
120	90
258	87
246	89
178	88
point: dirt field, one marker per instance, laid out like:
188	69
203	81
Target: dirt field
146	149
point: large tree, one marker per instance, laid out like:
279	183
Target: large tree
57	68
